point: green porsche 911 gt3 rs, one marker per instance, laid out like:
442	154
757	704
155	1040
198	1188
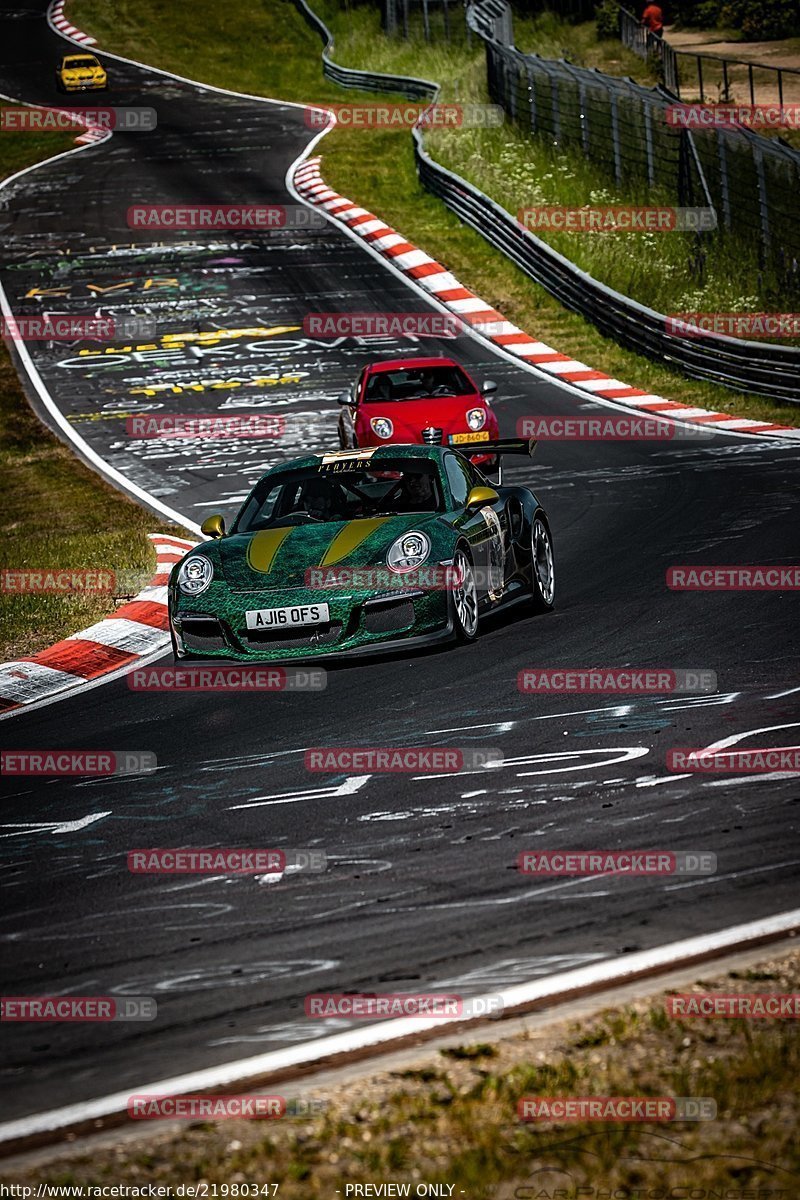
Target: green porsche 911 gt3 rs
356	551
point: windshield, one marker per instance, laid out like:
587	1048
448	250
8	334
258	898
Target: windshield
69	63
342	490
417	383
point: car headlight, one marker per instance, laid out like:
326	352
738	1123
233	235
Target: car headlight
408	552
195	574
382	427
476	418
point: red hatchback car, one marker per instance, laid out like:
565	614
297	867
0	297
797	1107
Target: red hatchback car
429	400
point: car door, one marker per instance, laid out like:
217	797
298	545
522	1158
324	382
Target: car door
481	527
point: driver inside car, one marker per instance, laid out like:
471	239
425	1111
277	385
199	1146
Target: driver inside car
416	494
324	501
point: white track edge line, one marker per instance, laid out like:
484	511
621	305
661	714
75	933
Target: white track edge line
606	973
111	474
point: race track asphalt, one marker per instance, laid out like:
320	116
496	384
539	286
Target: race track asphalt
421	892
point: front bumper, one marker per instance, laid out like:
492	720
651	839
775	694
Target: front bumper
85	86
213	625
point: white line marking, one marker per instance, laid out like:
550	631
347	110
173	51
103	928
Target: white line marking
53	826
737	737
690	883
351	785
623	754
606	972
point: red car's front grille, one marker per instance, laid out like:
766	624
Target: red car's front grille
432	437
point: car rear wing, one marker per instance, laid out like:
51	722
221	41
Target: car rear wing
500	447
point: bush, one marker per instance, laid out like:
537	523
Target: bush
694	16
607	18
762	20
758	20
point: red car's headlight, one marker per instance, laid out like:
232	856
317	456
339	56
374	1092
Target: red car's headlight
382	427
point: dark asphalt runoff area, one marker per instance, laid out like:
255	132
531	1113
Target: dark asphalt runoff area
421	891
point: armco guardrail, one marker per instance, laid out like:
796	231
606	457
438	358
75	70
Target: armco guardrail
366	81
764	369
767	370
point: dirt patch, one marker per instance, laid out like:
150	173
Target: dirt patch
762	55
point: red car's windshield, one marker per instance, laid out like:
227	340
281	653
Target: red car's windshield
416	383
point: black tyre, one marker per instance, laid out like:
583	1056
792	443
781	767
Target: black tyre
347	435
464	596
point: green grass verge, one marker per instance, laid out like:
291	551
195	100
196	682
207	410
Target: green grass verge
264	47
57	513
450	1117
553	37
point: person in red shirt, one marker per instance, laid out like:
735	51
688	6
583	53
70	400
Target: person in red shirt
653	19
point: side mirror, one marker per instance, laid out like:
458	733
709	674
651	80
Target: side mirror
345	398
489	387
213	526
479	497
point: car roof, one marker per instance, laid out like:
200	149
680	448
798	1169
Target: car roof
401	364
85	54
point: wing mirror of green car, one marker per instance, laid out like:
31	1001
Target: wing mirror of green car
213	526
479	497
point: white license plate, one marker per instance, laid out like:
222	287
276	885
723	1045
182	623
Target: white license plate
458	439
283	618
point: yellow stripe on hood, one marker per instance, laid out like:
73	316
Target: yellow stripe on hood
350	538
264	546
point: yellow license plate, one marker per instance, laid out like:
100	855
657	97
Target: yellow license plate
458	439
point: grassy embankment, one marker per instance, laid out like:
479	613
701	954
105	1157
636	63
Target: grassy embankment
57	513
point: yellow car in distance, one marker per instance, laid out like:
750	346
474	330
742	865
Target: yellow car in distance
81	73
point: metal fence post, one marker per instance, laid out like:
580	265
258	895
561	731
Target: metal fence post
615	136
684	177
555	108
531	97
584	117
513	88
647	114
763	201
724	183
